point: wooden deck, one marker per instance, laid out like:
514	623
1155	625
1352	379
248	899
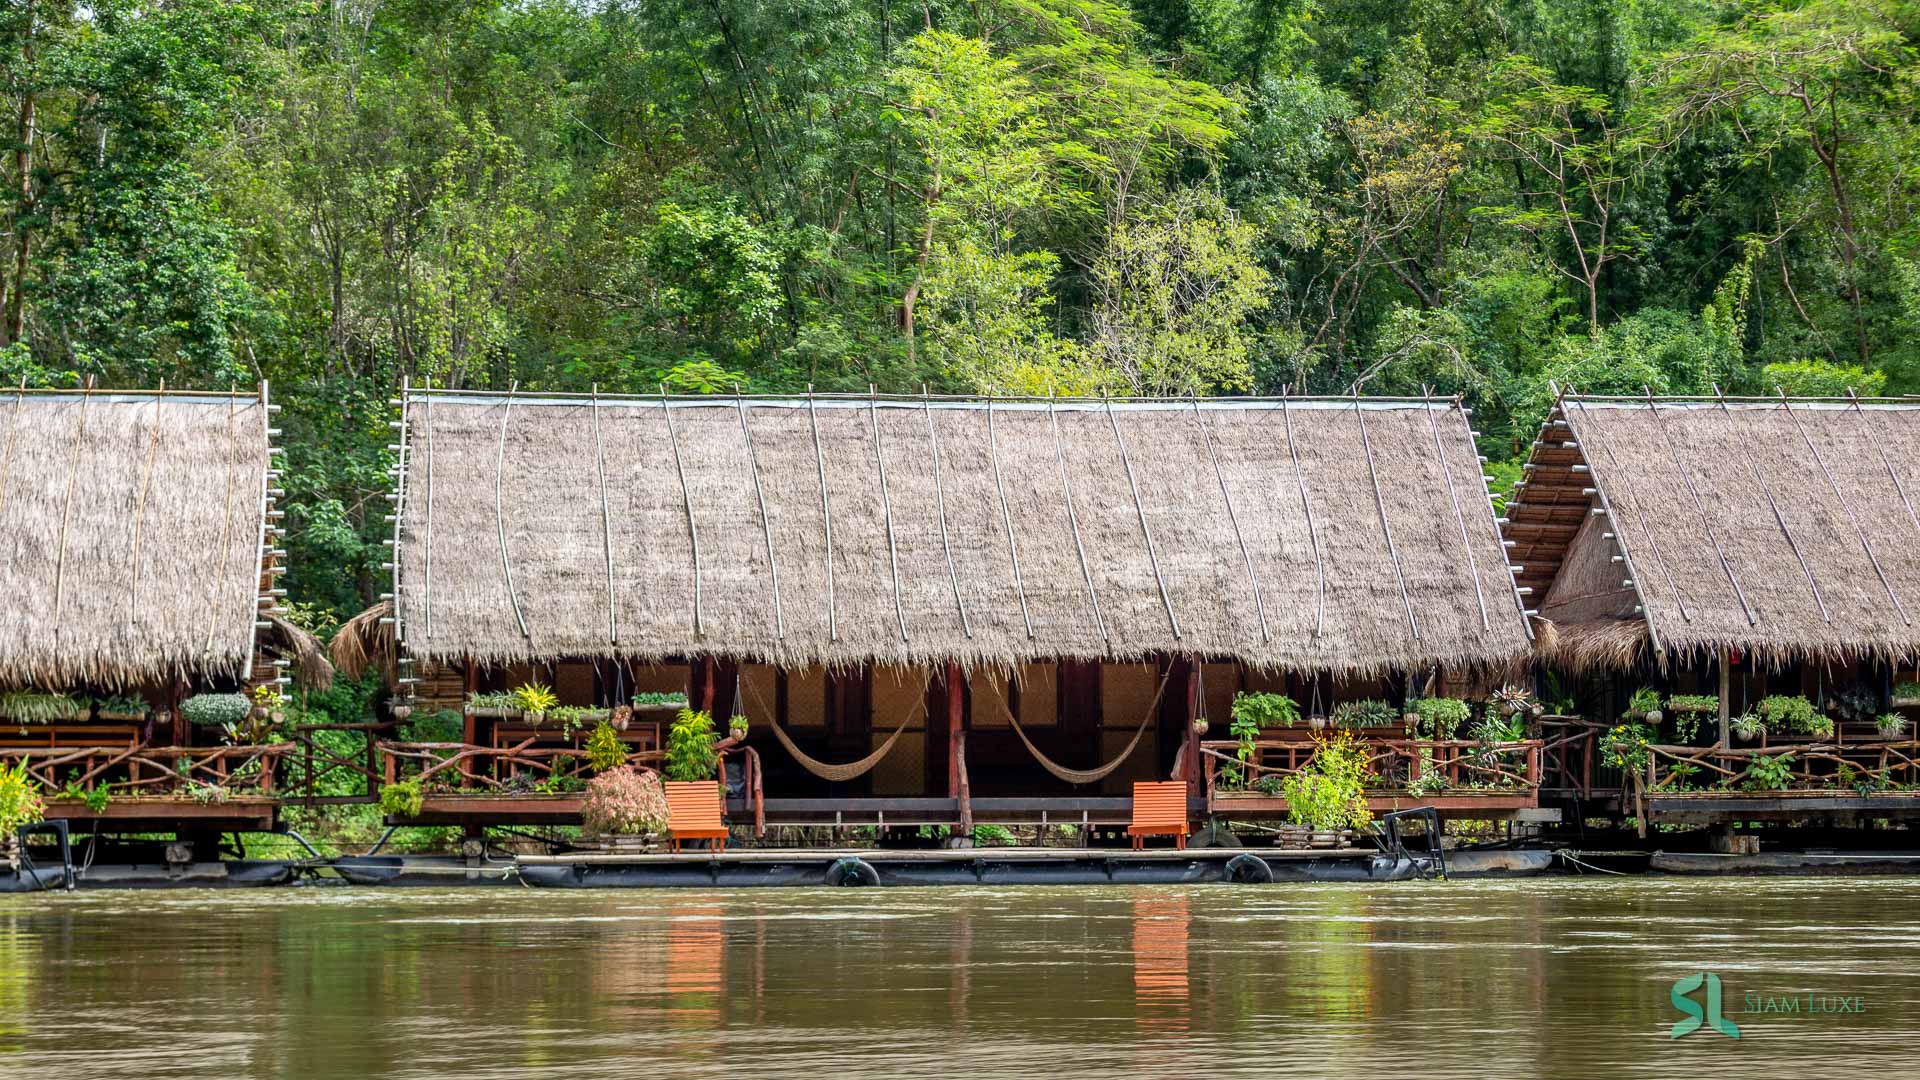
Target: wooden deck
166	813
1522	805
1712	807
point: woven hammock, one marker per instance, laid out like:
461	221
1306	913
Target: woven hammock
827	771
1086	776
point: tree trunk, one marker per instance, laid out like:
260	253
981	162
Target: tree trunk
23	161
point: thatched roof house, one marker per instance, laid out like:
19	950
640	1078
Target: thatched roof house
1330	534
1782	528
132	529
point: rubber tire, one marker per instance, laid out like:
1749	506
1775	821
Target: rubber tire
851	872
1244	869
1214	835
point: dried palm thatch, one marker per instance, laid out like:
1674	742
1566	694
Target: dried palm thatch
365	643
903	531
130	535
1786	529
306	658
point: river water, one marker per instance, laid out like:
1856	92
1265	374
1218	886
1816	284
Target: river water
1544	977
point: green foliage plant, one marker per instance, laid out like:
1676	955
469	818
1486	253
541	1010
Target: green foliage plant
1265	711
1791	712
121	705
403	798
1329	792
20	799
535	699
493	700
1748	726
1441	717
38	707
216	710
605	750
690	741
1770	773
1364	713
624	801
1625	747
1890	724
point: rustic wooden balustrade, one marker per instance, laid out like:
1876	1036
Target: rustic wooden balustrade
149	770
1463	763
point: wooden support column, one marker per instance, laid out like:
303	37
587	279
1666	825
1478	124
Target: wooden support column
1190	759
1726	694
700	675
957	786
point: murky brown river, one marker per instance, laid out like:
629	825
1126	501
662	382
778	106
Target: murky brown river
1546	977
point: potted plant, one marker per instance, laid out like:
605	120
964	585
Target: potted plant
605	749
690	753
737	727
1890	725
494	705
122	708
1791	712
620	716
1328	795
1364	713
1748	727
1266	711
1906	693
1687	709
1644	704
216	710
38	707
1439	717
533	700
626	807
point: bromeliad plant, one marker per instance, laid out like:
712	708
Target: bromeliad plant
535	699
690	753
1329	792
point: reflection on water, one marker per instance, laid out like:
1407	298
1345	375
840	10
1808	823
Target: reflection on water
1545	977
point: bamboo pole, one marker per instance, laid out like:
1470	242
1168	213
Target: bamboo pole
940	505
1073	520
1460	518
1386	528
1140	510
766	524
1313	534
826	514
686	501
1700	507
499	515
1847	505
1780	518
886	510
1006	517
226	530
426	553
606	512
1246	556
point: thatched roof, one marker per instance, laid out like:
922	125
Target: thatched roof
130	535
513	548
1785	529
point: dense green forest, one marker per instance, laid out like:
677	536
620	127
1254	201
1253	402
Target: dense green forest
1172	196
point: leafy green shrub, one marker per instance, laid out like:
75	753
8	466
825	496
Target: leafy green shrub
1819	378
624	801
20	801
690	753
447	725
1440	717
1266	710
1625	748
992	836
1769	773
1329	792
403	798
216	710
1906	691
605	751
38	707
1791	712
121	705
571	718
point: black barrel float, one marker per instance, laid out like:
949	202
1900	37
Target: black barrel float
851	871
1244	869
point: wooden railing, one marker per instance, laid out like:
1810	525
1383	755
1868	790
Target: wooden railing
1569	752
1395	764
150	770
319	762
1812	766
448	767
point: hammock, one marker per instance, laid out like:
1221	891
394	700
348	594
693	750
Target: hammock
831	773
1085	776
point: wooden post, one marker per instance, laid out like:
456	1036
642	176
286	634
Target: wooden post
956	746
1726	695
1191	756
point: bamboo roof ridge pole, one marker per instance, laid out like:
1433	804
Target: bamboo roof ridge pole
1006	517
1847	505
1253	579
1313	534
1700	508
226	528
1886	462
260	549
139	507
826	514
500	512
1460	518
766	525
1073	519
686	501
940	504
1639	513
606	515
1140	511
1386	528
1779	517
66	509
426	571
886	508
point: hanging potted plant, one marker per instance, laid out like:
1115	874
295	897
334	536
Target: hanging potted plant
1748	727
534	699
737	727
1890	725
620	717
494	705
1906	694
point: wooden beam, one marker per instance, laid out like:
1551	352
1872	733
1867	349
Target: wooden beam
956	745
940	504
606	512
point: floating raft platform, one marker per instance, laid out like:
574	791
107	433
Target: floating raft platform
965	866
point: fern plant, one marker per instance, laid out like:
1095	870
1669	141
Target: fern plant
605	751
690	753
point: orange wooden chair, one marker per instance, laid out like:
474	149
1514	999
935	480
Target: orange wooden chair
1159	809
694	810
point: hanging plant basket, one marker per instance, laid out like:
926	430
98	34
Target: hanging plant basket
1317	723
494	713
